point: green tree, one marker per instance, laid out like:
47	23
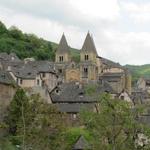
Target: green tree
3	29
114	125
35	124
16	33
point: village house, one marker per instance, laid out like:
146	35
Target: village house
82	144
144	84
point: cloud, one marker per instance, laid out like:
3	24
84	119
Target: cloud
139	12
66	11
49	19
126	47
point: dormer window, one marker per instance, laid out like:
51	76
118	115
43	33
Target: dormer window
86	57
81	94
61	58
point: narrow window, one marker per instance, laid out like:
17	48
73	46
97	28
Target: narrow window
85	72
38	82
43	75
20	81
86	57
43	83
60	70
59	58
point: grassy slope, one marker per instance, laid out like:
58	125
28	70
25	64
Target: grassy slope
138	71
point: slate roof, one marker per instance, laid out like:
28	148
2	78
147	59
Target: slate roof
111	76
106	87
81	144
63	45
41	66
6	78
145	119
70	92
74	107
8	57
30	69
110	64
74	93
140	96
88	44
25	73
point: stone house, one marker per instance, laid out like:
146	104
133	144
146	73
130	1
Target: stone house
81	144
144	84
73	97
124	95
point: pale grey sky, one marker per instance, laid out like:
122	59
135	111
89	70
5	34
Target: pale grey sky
120	28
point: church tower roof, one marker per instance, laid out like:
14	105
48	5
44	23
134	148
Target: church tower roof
89	45
63	45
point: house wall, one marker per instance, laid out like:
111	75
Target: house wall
26	83
6	95
50	80
72	75
141	84
113	70
66	57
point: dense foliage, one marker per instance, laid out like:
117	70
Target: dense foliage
24	45
28	45
115	125
33	124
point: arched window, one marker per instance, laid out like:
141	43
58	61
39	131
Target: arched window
61	58
86	57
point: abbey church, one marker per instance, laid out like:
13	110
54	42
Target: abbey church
64	81
91	68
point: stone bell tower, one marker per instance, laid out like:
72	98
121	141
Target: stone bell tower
88	60
63	52
62	57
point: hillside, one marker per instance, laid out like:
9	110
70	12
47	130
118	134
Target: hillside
28	45
138	71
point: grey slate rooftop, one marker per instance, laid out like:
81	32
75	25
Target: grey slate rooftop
30	69
81	144
76	93
145	119
8	57
88	44
6	78
109	64
70	92
114	77
74	107
140	95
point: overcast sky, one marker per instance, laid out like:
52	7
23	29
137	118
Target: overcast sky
120	28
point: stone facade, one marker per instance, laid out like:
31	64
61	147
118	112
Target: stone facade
144	84
91	67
